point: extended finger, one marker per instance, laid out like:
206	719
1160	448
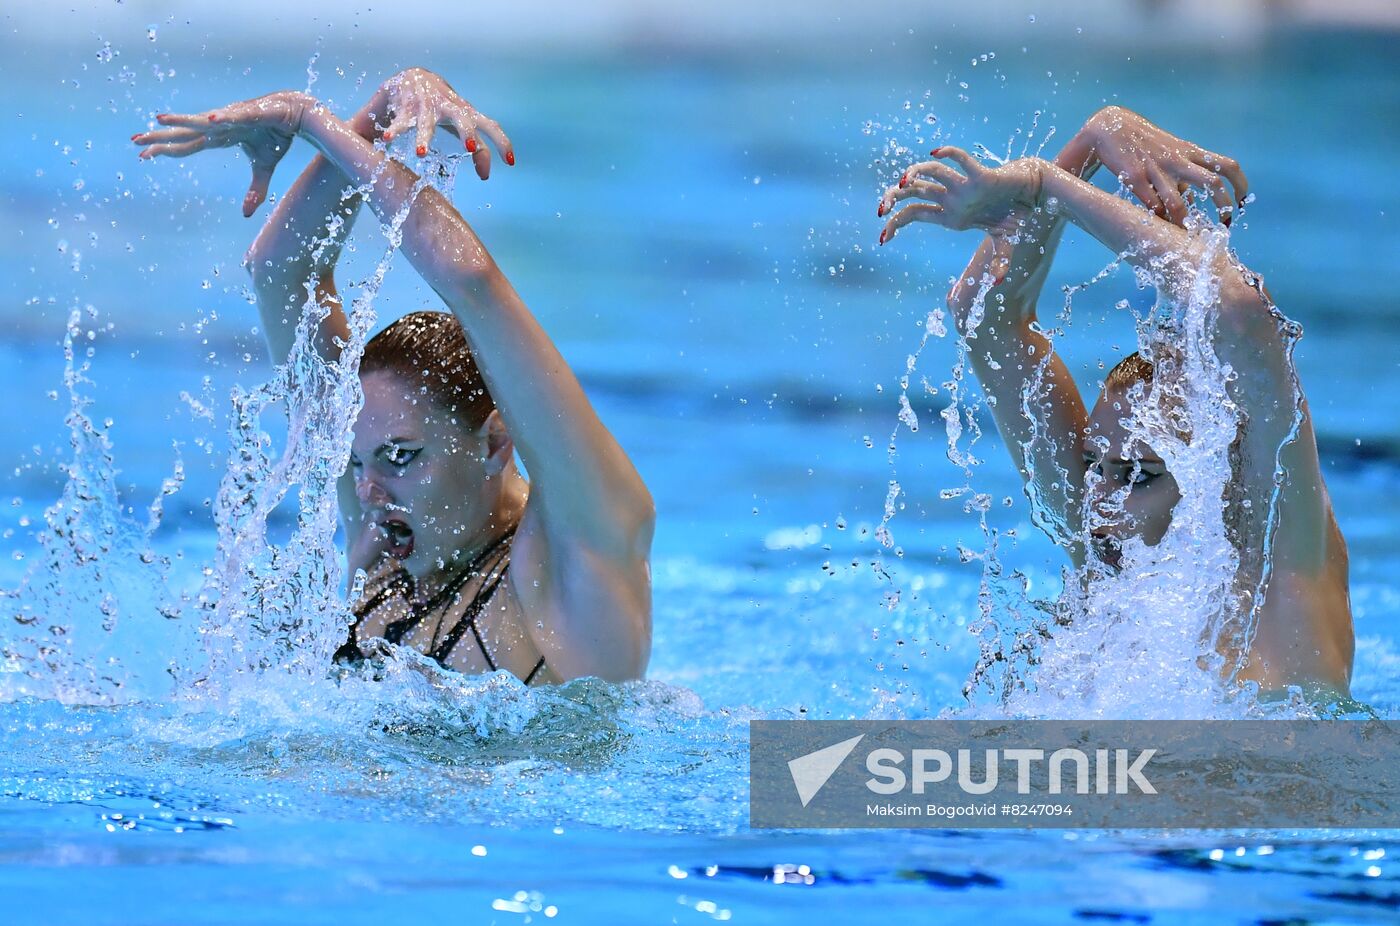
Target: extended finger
461	126
958	156
166	136
175	150
1167	194
402	122
427	125
257	190
1136	181
1211	182
481	159
185	120
1228	168
918	212
922	189
1221	197
933	169
492	130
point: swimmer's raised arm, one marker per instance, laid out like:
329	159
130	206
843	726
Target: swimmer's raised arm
1037	407
1278	442
1033	399
581	552
1251	336
296	251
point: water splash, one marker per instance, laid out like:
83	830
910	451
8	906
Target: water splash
280	608
84	624
1163	635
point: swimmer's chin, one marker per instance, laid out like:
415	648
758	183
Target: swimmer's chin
1103	567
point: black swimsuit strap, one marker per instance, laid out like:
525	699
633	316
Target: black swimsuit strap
395	631
468	621
474	569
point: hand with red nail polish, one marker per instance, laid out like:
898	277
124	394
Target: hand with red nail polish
262	127
1159	169
420	101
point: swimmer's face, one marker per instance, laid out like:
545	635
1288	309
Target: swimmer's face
1130	493
421	478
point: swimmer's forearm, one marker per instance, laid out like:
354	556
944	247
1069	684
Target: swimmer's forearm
576	466
1029	262
1167	252
301	243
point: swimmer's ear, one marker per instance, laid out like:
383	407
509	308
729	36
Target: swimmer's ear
499	447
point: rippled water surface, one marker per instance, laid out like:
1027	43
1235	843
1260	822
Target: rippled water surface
696	229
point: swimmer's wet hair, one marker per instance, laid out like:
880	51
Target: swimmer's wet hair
428	351
1130	371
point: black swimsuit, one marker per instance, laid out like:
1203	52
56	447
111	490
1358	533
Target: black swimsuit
390	590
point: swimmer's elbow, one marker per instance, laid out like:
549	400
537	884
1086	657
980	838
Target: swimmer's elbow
1242	304
638	521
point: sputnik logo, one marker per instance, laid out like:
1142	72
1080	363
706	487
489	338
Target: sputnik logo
812	771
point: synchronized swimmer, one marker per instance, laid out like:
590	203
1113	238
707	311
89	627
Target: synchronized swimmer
467	561
1304	631
472	564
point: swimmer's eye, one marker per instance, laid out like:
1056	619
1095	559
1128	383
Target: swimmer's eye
1141	478
401	457
355	462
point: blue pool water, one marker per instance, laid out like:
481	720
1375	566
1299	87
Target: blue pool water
694	224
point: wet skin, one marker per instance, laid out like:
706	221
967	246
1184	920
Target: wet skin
431	491
1128	489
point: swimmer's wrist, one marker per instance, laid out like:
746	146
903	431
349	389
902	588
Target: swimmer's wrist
368	120
1080	155
1034	184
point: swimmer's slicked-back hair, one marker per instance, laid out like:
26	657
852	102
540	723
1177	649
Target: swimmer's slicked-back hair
428	351
1130	371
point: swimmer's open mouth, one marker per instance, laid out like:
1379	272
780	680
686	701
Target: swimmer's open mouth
1108	551
400	537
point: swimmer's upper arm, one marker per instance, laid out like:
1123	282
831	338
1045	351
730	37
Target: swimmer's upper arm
1037	407
587	606
1278	435
280	300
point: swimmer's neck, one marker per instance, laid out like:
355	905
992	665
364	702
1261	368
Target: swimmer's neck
503	518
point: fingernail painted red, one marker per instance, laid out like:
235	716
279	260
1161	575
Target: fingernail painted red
471	146
937	152
882	237
422	150
213	118
903	181
881	210
510	158
388	136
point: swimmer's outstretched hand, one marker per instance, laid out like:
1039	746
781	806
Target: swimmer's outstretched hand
1161	169
995	200
420	101
263	128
